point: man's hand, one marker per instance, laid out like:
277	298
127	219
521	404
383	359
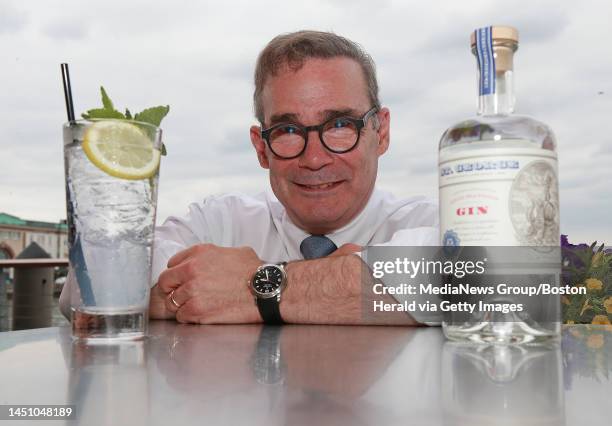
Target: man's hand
210	284
157	304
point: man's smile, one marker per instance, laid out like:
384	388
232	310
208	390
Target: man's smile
320	187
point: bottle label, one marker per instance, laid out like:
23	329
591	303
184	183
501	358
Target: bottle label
486	60
499	197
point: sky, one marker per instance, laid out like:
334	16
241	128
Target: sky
198	57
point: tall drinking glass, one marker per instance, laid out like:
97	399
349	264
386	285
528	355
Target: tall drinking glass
111	170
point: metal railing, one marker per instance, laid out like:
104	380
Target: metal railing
32	263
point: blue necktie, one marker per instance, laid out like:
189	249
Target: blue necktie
317	246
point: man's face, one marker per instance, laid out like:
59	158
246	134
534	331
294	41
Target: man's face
322	191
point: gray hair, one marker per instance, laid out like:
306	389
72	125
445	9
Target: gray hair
293	49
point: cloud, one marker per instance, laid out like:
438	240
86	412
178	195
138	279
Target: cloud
604	148
545	22
66	30
236	141
12	20
537	22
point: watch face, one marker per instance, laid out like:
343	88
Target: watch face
268	280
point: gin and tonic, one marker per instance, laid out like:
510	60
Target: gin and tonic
111	192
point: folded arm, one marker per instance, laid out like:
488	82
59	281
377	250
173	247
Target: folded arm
210	284
334	290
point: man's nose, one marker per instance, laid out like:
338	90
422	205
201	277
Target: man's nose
315	156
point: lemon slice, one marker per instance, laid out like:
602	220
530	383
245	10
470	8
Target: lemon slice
121	149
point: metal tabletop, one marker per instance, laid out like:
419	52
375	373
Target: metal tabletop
307	375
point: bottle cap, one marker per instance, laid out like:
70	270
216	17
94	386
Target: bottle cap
505	43
499	33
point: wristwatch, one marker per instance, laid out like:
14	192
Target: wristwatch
267	284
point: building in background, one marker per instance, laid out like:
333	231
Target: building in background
16	234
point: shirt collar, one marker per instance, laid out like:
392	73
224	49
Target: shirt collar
358	231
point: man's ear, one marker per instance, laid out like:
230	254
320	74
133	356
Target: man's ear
260	146
384	130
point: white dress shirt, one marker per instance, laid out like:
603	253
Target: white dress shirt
262	223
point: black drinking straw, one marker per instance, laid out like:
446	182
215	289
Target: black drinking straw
77	259
67	92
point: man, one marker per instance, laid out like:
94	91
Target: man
322	132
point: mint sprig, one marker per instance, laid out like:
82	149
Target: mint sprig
153	115
108	104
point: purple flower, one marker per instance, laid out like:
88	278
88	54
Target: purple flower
566	244
564	241
568	252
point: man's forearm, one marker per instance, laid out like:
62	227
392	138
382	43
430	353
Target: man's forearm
334	290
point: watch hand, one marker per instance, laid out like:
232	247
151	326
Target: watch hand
267	278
